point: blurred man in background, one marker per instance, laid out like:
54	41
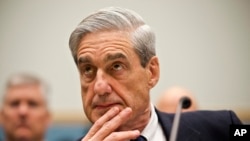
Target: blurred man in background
24	111
169	99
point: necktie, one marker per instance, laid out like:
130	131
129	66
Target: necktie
140	138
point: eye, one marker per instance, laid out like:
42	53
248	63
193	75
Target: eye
117	67
14	103
88	72
33	104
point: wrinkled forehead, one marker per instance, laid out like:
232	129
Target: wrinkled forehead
105	40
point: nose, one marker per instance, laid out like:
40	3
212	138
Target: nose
102	86
23	109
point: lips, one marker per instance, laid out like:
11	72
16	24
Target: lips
104	106
22	125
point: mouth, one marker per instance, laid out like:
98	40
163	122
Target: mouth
23	126
105	106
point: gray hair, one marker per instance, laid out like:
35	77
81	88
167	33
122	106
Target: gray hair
117	19
21	79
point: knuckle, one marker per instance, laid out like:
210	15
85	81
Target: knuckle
114	135
98	123
108	125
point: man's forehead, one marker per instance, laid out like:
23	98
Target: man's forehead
95	38
107	57
24	86
24	90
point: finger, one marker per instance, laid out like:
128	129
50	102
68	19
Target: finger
111	125
101	121
123	135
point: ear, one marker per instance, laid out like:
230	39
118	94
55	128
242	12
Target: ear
153	69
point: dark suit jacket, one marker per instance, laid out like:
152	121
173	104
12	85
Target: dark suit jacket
199	125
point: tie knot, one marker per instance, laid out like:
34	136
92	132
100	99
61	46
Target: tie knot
140	138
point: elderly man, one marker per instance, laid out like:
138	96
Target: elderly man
114	51
24	111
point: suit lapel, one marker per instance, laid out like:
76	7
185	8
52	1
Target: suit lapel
185	132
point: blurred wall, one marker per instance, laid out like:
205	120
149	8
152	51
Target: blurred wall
203	45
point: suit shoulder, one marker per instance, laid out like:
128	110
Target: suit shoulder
222	116
210	125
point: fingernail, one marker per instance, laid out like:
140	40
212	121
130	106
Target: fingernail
127	110
137	132
115	109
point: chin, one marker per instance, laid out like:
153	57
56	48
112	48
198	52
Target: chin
96	113
23	134
94	118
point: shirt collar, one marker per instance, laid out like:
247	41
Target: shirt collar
151	128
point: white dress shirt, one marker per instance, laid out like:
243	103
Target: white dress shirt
153	131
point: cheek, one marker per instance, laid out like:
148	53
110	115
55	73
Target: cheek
139	90
133	93
139	85
85	90
9	116
41	116
87	98
141	96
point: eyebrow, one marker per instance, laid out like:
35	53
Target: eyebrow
85	59
111	57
